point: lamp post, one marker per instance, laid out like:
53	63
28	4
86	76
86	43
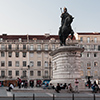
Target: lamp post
50	69
28	74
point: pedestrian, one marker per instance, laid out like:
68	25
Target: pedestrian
95	87
89	83
19	82
57	89
76	85
10	87
31	84
70	89
25	86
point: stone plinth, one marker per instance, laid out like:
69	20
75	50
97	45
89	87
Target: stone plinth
66	65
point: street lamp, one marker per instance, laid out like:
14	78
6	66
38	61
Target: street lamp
28	74
50	68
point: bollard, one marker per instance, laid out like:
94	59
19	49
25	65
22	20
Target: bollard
94	97
33	96
13	96
53	96
73	96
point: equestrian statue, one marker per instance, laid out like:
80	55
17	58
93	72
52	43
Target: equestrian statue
65	30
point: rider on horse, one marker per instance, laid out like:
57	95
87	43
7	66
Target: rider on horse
62	36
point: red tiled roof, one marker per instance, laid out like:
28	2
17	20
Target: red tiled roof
38	37
88	33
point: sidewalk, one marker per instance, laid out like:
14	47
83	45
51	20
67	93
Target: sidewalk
41	90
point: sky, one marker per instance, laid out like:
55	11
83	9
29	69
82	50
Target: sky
37	17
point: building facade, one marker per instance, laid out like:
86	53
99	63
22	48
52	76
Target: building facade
90	60
27	57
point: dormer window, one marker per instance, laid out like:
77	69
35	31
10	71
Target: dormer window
1	39
35	39
20	39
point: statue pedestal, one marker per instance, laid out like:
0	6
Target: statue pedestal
66	65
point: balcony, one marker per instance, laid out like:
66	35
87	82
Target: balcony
46	77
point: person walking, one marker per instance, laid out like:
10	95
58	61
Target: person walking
76	85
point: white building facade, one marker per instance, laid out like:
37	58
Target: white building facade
90	60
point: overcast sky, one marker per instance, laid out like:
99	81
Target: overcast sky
36	17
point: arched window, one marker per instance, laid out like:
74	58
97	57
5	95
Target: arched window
95	64
88	64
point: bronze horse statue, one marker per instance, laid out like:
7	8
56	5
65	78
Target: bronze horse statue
66	30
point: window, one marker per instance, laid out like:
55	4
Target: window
31	54
17	73
24	46
17	54
17	46
88	64
46	73
88	39
88	47
2	63
31	47
2	54
24	63
31	63
81	39
94	47
38	54
46	47
46	64
95	40
81	46
95	54
38	47
24	73
9	63
1	39
39	63
20	39
9	54
39	73
99	47
2	73
31	73
88	54
2	47
10	73
17	63
9	46
95	64
24	54
46	54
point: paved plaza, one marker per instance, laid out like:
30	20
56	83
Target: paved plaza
40	94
